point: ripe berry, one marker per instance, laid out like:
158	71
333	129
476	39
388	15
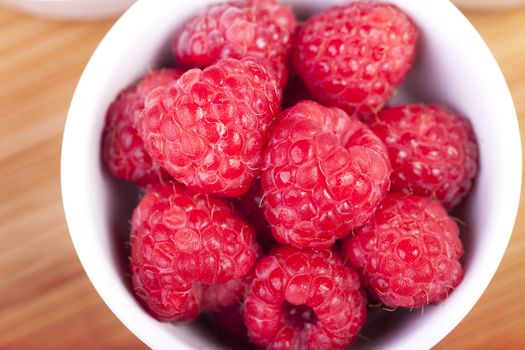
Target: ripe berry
408	254
433	151
238	29
122	148
188	252
354	56
324	173
304	299
207	129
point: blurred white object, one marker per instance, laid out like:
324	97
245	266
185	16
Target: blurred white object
488	4
71	9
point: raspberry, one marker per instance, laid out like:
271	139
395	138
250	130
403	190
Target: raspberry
354	56
238	29
250	205
188	252
324	173
409	252
433	151
207	129
304	299
123	149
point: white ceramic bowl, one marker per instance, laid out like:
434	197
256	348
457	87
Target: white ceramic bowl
71	9
453	67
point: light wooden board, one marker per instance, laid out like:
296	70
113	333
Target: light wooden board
46	301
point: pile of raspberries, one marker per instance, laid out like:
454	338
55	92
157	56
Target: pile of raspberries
280	192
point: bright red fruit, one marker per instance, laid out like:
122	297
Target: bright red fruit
122	148
433	150
304	299
207	129
408	254
324	173
354	56
189	253
238	29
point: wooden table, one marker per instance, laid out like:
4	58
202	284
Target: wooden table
46	300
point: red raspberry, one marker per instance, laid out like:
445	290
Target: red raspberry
183	242
433	151
123	149
409	253
354	56
304	299
207	129
324	173
238	29
250	204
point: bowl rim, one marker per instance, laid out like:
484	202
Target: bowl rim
68	183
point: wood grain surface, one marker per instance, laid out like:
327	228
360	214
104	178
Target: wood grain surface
46	300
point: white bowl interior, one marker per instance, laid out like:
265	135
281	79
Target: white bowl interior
453	67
